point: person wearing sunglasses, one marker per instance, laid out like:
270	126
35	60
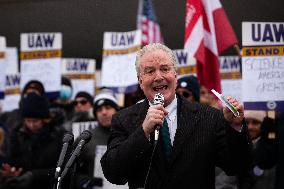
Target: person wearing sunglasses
83	110
83	102
189	88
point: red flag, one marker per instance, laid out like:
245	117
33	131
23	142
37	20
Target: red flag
207	34
147	22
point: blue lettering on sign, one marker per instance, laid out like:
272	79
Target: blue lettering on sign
12	80
230	63
122	40
41	40
77	65
181	57
269	32
279	33
254	32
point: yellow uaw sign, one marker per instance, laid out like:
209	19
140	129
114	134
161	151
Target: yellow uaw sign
81	72
41	60
264	51
186	64
118	63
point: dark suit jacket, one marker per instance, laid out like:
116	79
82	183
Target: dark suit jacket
203	139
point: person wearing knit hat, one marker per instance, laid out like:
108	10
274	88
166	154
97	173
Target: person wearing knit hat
34	86
34	110
34	146
35	106
254	119
105	105
188	87
83	102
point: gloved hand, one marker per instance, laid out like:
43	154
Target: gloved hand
23	181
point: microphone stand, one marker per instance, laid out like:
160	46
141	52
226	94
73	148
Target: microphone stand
73	169
72	177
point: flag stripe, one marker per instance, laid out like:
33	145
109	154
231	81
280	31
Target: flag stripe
147	22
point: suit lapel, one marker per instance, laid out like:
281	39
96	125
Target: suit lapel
186	121
141	113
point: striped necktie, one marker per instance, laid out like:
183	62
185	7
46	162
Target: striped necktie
166	139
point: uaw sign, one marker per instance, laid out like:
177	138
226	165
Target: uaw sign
2	65
263	65
81	72
262	33
186	65
231	80
12	80
41	60
118	65
79	127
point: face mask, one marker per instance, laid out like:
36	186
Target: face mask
65	92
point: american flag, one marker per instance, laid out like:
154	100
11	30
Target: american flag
207	34
147	22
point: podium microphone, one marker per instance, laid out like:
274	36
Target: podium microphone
158	99
67	140
84	138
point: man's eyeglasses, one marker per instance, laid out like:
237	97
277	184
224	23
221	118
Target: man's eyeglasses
185	94
83	102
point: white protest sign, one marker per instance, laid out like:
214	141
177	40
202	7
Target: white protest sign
262	33
12	81
186	64
2	65
41	60
230	70
98	172
263	67
81	72
118	65
79	127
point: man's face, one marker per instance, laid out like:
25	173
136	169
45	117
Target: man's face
33	124
82	104
104	115
157	75
254	128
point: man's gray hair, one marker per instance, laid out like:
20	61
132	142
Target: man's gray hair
150	48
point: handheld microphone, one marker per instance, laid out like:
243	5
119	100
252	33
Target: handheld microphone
67	140
85	138
158	99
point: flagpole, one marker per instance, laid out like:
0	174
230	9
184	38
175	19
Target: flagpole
238	50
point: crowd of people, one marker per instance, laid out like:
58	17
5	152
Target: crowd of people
200	145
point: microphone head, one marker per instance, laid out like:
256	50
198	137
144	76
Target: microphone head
86	135
68	138
158	99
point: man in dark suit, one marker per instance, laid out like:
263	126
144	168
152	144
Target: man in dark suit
193	138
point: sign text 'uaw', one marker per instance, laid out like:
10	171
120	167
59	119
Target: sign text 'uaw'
262	33
40	41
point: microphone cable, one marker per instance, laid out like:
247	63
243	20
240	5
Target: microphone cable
150	164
